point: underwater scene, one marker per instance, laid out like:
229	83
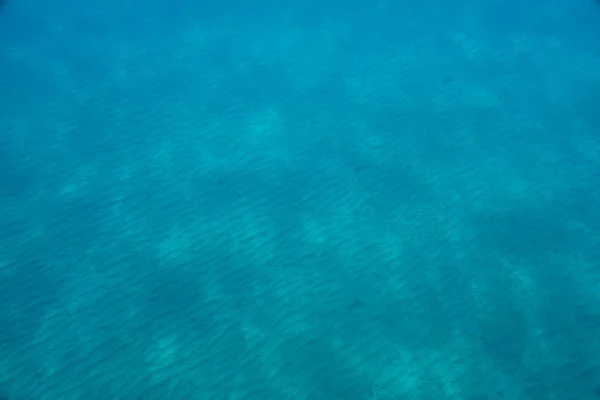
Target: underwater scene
300	200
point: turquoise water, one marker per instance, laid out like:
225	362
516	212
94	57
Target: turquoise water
334	200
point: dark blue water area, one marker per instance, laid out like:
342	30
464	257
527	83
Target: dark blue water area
381	200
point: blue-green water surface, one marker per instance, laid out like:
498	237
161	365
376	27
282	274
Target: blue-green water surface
300	200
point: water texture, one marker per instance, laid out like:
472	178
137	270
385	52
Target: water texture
300	200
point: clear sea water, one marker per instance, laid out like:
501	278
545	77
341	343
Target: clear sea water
300	200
